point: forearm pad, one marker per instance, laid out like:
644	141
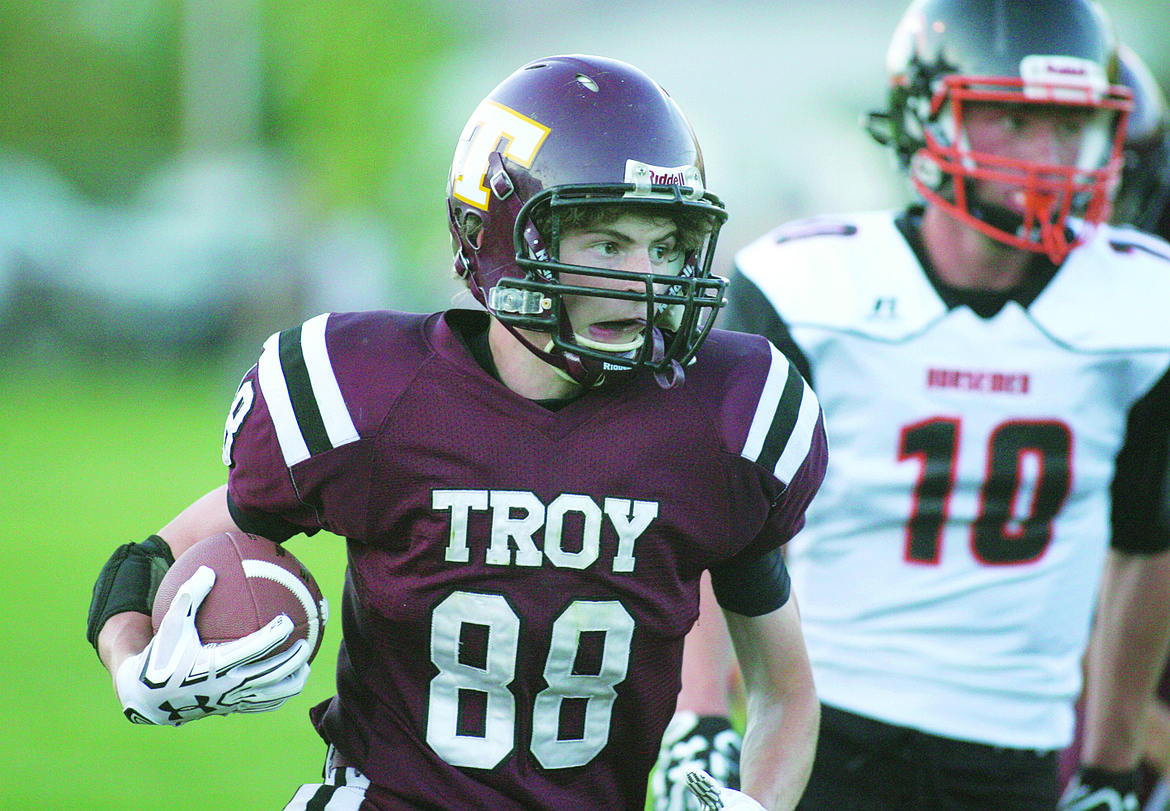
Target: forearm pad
128	582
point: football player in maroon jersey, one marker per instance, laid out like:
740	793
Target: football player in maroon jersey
529	493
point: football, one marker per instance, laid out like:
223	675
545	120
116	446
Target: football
255	580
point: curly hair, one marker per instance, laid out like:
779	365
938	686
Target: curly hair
693	226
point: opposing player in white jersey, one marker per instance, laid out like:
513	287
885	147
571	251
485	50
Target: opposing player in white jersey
992	363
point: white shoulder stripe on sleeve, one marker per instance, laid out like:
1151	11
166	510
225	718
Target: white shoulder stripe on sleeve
284	420
334	413
304	398
781	432
801	438
766	408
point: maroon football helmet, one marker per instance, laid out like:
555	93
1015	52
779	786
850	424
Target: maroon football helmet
570	131
946	54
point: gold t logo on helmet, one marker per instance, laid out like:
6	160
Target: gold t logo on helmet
492	127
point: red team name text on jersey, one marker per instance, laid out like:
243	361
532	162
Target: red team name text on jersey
991	382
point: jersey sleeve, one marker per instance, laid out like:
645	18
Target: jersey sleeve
786	439
1141	485
784	455
290	440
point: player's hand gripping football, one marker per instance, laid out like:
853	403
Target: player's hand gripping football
713	797
177	678
692	742
1100	790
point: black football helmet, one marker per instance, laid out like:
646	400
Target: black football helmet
1143	196
570	131
948	53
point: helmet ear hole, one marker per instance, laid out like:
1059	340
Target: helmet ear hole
924	169
471	229
877	123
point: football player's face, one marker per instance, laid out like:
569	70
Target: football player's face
634	242
1036	134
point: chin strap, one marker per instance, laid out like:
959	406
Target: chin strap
1034	231
673	375
568	367
1039	236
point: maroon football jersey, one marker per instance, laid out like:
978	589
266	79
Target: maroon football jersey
519	579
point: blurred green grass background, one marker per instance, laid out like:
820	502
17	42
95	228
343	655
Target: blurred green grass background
90	459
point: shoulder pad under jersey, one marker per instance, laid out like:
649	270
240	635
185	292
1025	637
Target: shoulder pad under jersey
853	273
316	377
1108	295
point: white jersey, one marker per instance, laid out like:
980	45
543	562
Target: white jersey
948	569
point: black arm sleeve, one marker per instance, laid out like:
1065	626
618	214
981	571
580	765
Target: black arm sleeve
1141	484
748	310
128	582
754	587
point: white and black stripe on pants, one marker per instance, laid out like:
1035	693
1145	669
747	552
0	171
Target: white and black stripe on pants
344	789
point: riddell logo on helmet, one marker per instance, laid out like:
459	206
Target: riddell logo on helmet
669	178
643	176
1062	78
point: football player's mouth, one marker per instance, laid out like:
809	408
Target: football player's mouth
617	330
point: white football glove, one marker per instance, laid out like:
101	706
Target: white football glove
692	742
714	797
177	678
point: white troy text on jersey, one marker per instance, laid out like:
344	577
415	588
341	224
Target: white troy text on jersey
517	515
